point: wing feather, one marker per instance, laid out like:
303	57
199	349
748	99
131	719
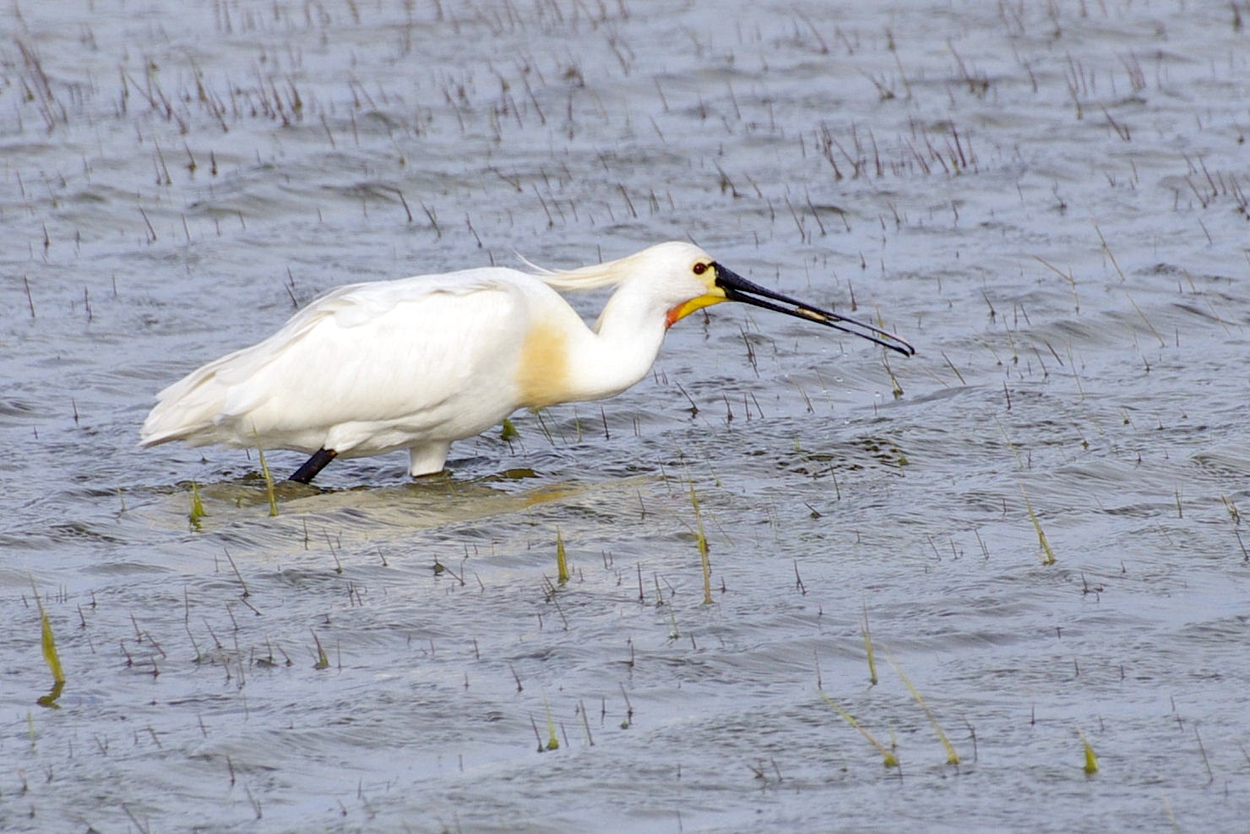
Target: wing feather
416	351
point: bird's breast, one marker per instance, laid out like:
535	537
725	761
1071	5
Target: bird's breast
543	372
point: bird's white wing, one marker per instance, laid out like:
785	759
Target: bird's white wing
413	351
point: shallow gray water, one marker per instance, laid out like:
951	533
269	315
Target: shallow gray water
1048	199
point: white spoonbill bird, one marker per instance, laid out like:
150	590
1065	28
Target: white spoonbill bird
419	362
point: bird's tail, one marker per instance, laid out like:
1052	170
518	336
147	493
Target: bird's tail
175	417
187	410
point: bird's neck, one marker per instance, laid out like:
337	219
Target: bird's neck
626	340
569	362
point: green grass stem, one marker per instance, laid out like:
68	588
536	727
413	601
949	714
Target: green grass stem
1091	760
951	756
701	538
887	756
264	470
562	562
197	508
50	654
553	743
1049	558
323	662
868	649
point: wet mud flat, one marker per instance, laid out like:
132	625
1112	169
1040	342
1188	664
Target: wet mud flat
1022	548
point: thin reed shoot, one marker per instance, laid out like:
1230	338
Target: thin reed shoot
264	470
951	756
887	756
1049	557
323	661
1091	760
562	562
553	743
868	649
197	508
701	538
50	654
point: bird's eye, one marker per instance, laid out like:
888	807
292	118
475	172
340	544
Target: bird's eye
700	268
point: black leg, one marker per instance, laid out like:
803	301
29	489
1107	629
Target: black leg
312	466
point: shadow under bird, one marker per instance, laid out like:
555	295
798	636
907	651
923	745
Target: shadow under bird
420	362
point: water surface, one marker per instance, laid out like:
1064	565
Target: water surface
1048	199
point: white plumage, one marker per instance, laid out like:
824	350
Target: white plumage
420	362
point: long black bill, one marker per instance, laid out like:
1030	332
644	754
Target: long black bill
738	288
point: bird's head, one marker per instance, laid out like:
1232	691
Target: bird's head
692	280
